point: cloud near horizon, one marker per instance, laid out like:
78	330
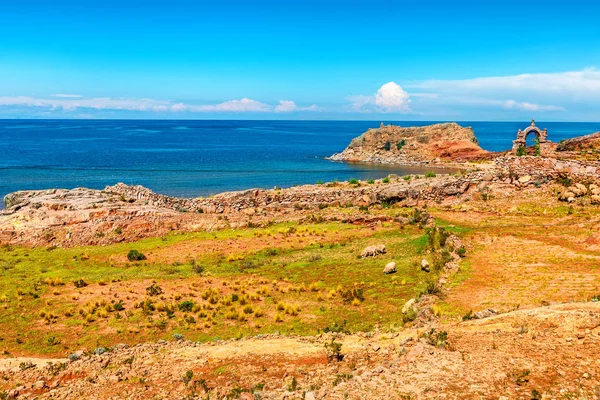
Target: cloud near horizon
542	92
76	102
571	94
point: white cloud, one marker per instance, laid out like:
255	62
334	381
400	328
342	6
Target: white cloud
526	106
389	98
586	81
312	107
72	103
67	96
286	106
548	93
392	98
243	105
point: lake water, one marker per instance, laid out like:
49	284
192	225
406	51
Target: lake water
200	158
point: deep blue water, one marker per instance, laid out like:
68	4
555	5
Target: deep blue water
194	158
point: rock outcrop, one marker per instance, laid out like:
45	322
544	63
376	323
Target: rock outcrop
431	144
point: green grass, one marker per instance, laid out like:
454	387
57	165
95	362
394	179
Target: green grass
307	272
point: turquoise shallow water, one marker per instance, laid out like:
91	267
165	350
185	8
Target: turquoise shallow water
193	158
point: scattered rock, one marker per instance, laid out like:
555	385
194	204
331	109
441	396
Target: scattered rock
485	313
408	305
390	268
425	265
525	179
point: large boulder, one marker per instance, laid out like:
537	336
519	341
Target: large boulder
390	268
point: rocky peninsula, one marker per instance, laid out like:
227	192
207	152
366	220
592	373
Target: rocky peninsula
433	144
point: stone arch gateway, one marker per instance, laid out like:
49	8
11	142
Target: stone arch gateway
541	135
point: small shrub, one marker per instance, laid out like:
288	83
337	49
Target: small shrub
387	146
468	316
135	255
401	144
386	180
293	386
353	181
197	268
436	338
430	174
407	177
334	350
25	365
100	350
521	151
363	209
410	315
370	181
314	258
565	181
52	341
339	378
118	306
461	251
432	287
79	283
187	377
186	306
351	294
154	290
335	328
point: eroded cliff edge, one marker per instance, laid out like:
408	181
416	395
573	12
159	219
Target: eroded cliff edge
432	144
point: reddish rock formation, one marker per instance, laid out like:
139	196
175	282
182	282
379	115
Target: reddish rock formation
415	145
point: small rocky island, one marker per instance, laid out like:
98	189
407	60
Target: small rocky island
432	144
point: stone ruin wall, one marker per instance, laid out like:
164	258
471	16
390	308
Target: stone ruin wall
551	168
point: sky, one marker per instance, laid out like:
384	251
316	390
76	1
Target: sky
352	60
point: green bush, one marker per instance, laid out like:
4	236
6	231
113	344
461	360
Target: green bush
353	181
400	144
135	255
79	283
334	350
521	151
386	180
186	305
430	174
387	146
370	181
154	290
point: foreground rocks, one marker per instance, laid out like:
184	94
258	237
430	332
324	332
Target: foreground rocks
125	213
550	350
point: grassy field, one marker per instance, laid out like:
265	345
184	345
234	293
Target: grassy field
288	278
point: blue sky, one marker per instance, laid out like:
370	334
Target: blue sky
391	60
